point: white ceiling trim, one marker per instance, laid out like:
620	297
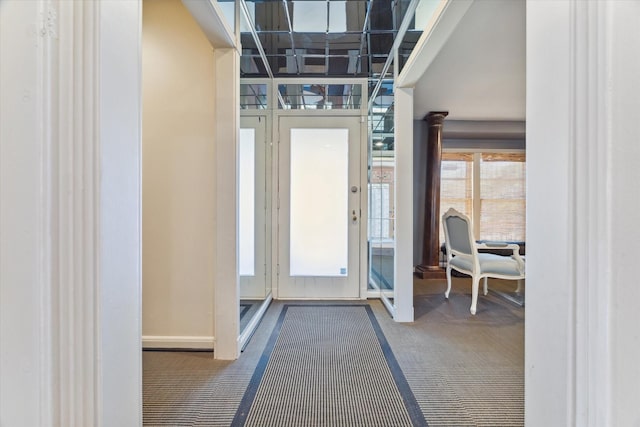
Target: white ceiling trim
212	21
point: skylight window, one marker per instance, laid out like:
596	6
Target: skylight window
311	16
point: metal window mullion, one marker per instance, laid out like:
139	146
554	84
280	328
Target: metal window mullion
256	39
285	4
396	43
363	37
326	43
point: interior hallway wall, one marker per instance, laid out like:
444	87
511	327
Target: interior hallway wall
178	178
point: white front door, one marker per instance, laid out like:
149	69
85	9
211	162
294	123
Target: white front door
319	207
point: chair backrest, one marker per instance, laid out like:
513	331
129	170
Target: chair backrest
457	232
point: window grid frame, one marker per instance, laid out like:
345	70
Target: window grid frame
476	196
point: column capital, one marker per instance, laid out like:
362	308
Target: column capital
435	117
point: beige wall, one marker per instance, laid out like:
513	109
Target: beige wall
178	174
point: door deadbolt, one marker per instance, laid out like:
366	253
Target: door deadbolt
354	189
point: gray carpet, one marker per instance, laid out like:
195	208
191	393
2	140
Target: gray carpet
463	370
471	372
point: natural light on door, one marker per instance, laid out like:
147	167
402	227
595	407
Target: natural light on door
247	191
319	202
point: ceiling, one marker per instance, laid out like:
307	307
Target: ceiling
479	74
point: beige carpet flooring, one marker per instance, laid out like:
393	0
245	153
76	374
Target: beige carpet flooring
463	370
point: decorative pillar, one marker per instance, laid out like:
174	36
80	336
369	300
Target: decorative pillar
430	266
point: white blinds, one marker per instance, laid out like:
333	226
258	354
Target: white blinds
498	185
456	186
502	197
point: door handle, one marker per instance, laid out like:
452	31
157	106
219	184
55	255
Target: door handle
355	217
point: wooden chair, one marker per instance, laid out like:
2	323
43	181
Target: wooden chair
463	256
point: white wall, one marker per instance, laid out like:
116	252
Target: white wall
582	343
21	228
178	178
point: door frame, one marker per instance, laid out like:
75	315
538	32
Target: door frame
262	254
318	286
247	333
362	113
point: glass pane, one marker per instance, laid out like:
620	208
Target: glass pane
381	221
253	96
378	219
320	96
381	188
319	178
311	16
247	191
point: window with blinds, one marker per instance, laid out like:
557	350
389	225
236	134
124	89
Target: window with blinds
490	188
502	196
456	185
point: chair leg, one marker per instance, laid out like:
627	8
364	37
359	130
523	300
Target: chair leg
519	288
446	294
474	293
486	288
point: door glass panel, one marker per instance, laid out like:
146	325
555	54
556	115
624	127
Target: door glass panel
319	180
247	187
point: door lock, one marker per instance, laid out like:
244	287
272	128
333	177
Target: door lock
355	217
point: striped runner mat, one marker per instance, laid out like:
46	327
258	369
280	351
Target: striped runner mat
328	365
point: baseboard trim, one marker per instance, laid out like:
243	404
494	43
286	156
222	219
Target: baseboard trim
178	342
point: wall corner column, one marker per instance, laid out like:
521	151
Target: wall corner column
403	259
226	283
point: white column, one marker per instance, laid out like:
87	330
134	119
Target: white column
120	262
227	283
403	259
550	304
